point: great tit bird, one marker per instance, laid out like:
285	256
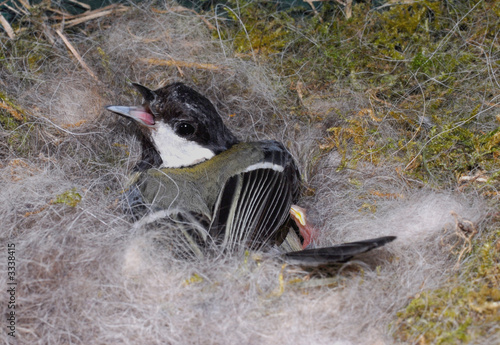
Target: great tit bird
222	193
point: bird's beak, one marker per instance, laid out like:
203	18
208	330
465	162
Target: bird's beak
306	229
298	214
138	114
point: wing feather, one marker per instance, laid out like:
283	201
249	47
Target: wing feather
258	201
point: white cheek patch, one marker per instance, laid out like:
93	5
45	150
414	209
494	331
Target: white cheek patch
176	151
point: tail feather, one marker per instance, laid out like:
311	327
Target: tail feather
339	253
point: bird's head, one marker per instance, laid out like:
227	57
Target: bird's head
180	124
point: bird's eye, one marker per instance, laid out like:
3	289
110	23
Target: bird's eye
184	129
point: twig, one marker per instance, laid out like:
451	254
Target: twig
85	6
76	54
95	14
21	11
316	14
62	15
25	4
7	27
348	9
77	21
105	8
177	63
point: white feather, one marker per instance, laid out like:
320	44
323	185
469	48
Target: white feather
265	165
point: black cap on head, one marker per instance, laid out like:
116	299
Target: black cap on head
190	114
178	126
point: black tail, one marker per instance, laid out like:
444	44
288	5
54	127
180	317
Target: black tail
339	253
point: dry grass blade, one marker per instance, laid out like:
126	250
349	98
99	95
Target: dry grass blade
81	4
76	54
177	63
19	11
96	14
77	21
62	14
7	27
25	4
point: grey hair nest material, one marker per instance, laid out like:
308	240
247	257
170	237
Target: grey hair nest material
86	275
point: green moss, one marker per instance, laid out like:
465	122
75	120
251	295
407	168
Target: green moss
70	198
30	52
14	121
420	62
417	58
455	149
8	122
466	308
253	31
26	55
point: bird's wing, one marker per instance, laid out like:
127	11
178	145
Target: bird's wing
253	204
339	253
184	234
183	229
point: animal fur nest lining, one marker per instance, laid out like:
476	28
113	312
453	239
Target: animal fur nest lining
86	275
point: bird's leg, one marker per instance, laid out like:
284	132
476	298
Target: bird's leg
307	231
